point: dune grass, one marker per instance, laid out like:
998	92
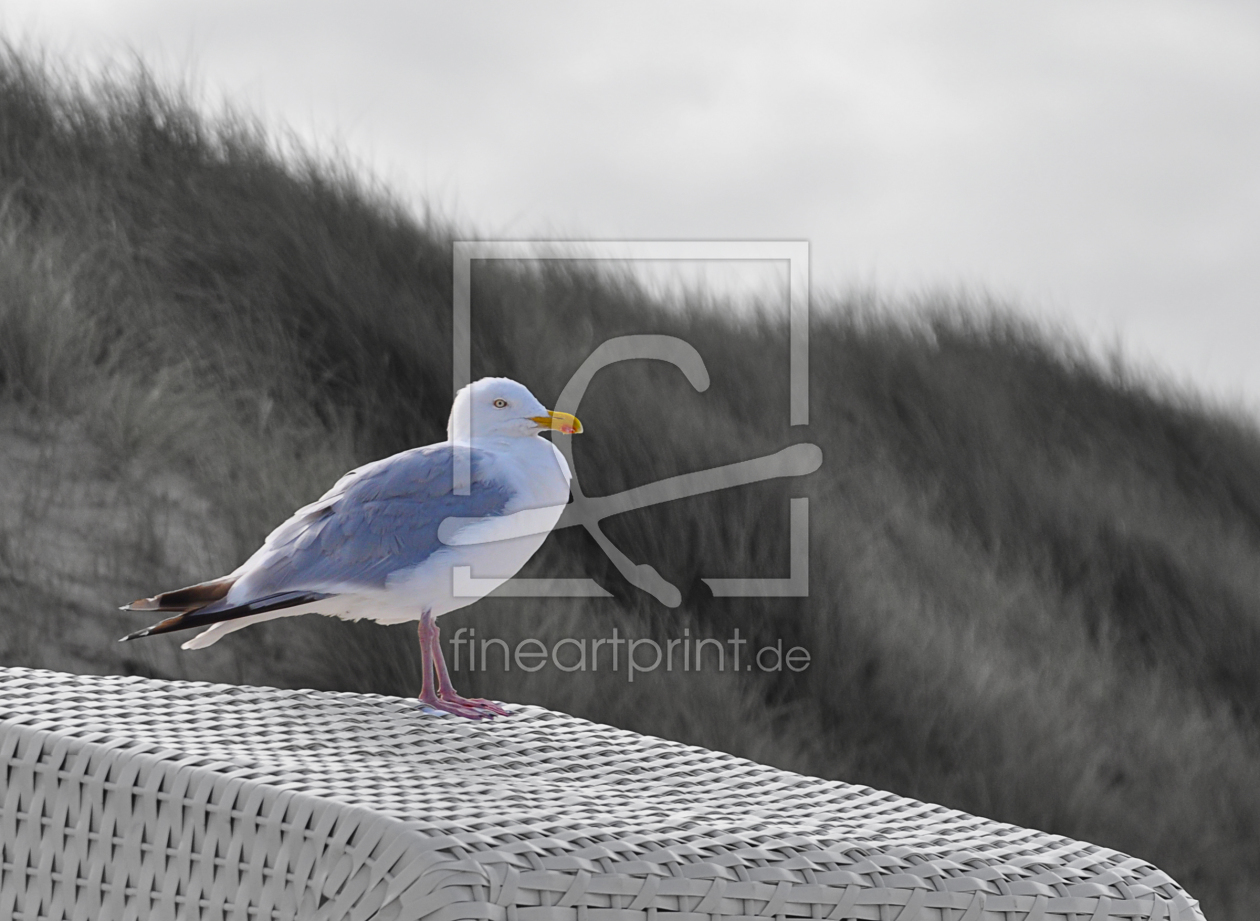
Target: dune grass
1033	586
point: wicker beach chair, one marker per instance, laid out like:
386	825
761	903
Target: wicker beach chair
130	798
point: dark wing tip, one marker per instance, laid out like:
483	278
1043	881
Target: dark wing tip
184	600
141	604
197	618
178	622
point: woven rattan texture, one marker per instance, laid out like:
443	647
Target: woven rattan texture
131	798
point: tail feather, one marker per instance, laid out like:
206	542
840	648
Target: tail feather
213	613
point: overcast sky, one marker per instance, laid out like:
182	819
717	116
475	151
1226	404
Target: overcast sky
1097	162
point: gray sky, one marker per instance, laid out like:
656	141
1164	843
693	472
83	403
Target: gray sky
1097	161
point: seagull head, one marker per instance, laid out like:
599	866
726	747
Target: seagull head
496	407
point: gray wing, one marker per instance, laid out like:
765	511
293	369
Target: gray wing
376	520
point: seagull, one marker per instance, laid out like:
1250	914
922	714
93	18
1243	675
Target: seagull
370	546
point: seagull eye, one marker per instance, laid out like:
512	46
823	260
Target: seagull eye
500	403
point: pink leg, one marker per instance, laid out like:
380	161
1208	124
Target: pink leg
446	698
427	693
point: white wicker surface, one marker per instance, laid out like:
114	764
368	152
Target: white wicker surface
132	798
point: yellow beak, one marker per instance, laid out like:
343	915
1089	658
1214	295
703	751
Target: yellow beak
560	422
